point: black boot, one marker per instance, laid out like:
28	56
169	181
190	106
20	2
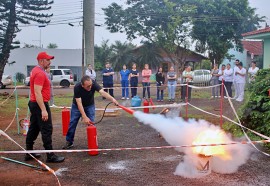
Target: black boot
52	158
27	157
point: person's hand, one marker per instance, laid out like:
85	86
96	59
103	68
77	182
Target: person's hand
115	102
87	121
44	115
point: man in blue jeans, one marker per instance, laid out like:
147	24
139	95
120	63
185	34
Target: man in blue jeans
84	106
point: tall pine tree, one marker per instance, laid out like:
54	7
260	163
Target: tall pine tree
13	12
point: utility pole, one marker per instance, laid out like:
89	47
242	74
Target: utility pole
89	30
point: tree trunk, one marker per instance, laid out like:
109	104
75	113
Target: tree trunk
9	35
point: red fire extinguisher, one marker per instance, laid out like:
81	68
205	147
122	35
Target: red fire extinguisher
65	120
92	139
145	103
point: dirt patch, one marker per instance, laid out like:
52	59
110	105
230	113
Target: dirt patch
134	167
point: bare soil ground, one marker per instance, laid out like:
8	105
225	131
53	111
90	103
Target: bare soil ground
140	167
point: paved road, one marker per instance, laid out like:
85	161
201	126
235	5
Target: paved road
24	90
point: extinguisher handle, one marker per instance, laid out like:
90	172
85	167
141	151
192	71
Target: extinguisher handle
90	123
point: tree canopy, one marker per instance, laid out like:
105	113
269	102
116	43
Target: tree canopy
214	26
217	25
52	46
13	13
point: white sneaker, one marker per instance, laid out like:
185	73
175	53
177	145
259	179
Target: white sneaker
234	97
127	98
123	98
239	100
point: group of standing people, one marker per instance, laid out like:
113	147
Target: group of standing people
235	76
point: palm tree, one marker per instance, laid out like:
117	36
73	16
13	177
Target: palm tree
122	53
102	54
148	53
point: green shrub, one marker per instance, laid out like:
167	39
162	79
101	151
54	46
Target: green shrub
256	111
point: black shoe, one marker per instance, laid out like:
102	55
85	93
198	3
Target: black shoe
52	158
27	157
68	145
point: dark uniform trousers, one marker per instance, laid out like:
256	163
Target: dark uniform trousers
38	125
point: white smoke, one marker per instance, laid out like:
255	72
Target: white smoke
177	132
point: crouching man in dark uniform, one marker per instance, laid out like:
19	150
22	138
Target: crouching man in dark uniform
84	106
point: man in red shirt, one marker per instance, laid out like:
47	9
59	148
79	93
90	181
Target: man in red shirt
41	120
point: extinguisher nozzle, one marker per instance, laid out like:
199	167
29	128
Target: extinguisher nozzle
130	111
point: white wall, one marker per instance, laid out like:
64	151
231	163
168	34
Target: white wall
27	56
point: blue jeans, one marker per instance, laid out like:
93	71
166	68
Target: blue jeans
74	119
171	89
159	92
146	86
125	91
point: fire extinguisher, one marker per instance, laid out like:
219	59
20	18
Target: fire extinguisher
25	126
145	103
65	120
92	139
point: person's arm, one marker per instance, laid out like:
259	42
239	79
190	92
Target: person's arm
104	73
242	72
112	72
108	96
86	120
40	102
143	73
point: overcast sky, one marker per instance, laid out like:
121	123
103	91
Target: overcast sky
68	37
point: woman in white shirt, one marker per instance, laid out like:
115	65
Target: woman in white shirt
252	71
228	79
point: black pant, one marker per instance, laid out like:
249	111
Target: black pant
38	125
228	86
110	86
133	90
184	92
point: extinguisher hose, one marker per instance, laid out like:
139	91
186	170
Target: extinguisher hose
94	123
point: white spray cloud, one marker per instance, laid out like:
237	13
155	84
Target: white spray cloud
177	132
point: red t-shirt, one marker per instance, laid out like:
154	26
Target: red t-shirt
39	77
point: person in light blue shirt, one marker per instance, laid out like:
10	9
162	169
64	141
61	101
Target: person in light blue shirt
124	74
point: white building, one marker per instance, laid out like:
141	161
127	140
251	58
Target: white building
24	59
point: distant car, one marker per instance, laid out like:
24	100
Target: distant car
6	80
202	76
60	77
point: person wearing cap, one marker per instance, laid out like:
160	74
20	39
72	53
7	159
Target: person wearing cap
41	118
235	69
83	106
240	79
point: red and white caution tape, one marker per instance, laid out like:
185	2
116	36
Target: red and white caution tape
25	151
173	105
